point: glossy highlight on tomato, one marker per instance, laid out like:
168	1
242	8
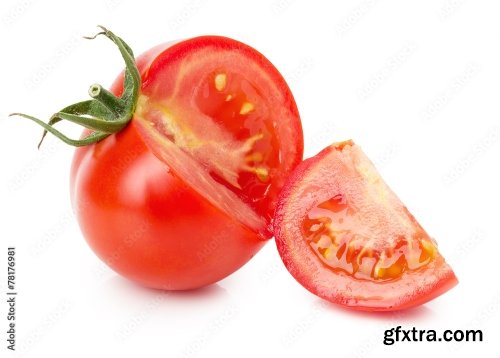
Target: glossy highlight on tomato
185	194
346	237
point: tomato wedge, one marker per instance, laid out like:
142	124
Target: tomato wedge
346	237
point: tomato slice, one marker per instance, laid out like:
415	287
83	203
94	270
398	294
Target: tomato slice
346	237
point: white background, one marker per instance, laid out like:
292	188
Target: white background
415	83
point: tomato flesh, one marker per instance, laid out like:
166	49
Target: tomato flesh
328	228
239	107
219	105
345	236
185	194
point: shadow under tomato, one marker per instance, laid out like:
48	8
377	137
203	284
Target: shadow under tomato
409	315
126	288
128	308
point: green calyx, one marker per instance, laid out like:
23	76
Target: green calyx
105	113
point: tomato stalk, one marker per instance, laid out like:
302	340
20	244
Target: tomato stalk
105	113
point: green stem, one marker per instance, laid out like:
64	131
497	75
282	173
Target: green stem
105	113
108	99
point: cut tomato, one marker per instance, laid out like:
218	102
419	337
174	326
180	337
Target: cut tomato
185	194
176	177
346	237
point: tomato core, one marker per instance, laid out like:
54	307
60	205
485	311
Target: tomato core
235	103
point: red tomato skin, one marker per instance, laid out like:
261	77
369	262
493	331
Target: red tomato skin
144	222
413	289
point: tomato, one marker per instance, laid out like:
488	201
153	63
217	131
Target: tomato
185	194
346	237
